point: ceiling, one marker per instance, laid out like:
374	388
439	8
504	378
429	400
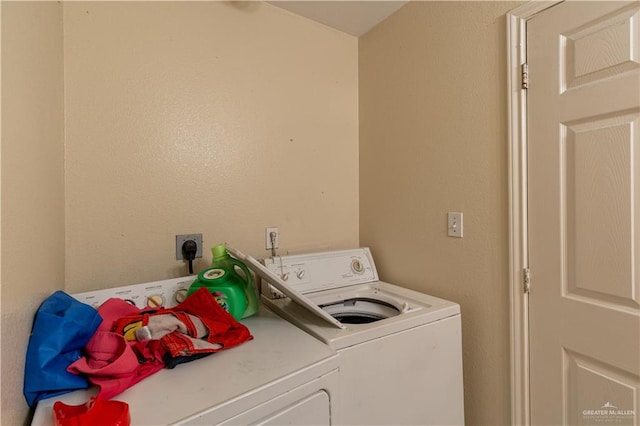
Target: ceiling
349	16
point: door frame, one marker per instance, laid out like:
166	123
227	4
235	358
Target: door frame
518	234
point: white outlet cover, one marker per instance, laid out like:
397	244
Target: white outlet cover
180	239
267	237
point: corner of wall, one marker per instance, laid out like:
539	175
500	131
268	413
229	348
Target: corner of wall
32	184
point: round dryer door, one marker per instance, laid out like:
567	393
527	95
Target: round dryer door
360	310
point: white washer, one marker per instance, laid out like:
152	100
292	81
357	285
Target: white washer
282	376
400	350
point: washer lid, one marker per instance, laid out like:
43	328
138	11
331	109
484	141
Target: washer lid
277	282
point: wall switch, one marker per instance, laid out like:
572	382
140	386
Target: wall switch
268	239
454	224
180	239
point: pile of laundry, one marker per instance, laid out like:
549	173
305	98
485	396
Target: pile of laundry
114	347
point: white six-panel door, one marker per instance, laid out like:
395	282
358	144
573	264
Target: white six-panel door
584	213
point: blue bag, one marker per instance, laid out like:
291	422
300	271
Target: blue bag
61	328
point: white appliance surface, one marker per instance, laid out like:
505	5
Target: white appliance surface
282	375
403	369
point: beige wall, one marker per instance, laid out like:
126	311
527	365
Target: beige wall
219	118
432	140
32	181
259	110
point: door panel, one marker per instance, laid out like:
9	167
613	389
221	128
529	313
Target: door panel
599	173
584	211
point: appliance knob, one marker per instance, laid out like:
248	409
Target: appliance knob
356	266
180	295
155	301
300	274
285	276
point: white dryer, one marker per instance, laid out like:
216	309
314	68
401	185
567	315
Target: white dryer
400	350
282	376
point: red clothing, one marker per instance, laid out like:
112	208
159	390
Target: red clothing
115	364
112	364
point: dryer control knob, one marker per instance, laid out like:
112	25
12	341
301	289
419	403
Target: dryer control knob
300	274
180	295
285	276
155	301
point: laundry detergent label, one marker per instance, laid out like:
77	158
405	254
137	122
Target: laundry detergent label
221	298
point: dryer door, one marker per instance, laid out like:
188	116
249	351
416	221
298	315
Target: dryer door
312	410
309	404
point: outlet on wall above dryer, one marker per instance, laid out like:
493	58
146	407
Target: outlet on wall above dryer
272	238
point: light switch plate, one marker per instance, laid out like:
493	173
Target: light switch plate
454	224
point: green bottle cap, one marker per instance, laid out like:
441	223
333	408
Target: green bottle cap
219	252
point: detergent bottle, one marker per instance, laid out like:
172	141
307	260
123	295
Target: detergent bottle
235	292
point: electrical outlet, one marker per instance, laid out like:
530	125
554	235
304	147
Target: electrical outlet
454	224
276	240
180	239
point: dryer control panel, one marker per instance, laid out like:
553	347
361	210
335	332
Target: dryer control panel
307	273
167	293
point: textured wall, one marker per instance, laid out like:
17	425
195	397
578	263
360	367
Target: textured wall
225	117
182	117
32	181
433	138
219	118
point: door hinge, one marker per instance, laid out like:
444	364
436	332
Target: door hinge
525	76
526	280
